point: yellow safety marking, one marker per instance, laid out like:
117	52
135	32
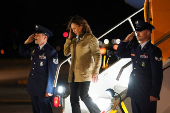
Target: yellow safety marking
124	107
104	59
105	64
115	111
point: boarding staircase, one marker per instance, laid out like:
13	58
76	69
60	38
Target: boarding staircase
116	77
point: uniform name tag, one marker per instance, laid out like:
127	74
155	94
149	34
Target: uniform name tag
143	56
132	54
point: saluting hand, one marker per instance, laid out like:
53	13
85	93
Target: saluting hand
30	39
129	37
94	78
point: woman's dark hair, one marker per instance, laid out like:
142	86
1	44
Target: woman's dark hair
81	22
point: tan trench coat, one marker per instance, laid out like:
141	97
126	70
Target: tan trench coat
85	57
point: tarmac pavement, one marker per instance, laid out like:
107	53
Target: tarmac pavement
13	79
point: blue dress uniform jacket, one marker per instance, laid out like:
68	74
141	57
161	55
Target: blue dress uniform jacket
147	74
44	63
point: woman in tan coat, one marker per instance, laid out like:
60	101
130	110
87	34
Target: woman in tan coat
85	63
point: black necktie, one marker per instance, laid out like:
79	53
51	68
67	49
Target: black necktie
38	49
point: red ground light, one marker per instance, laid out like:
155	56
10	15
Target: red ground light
65	34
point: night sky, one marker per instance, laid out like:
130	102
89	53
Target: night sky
20	16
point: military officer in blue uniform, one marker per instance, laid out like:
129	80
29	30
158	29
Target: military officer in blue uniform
44	62
146	77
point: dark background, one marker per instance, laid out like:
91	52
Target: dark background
18	18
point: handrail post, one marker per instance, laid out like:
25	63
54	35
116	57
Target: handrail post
58	69
133	28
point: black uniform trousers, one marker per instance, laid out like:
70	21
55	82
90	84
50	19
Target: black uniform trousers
41	104
139	106
81	89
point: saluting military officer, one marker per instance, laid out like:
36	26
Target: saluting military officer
44	62
146	77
